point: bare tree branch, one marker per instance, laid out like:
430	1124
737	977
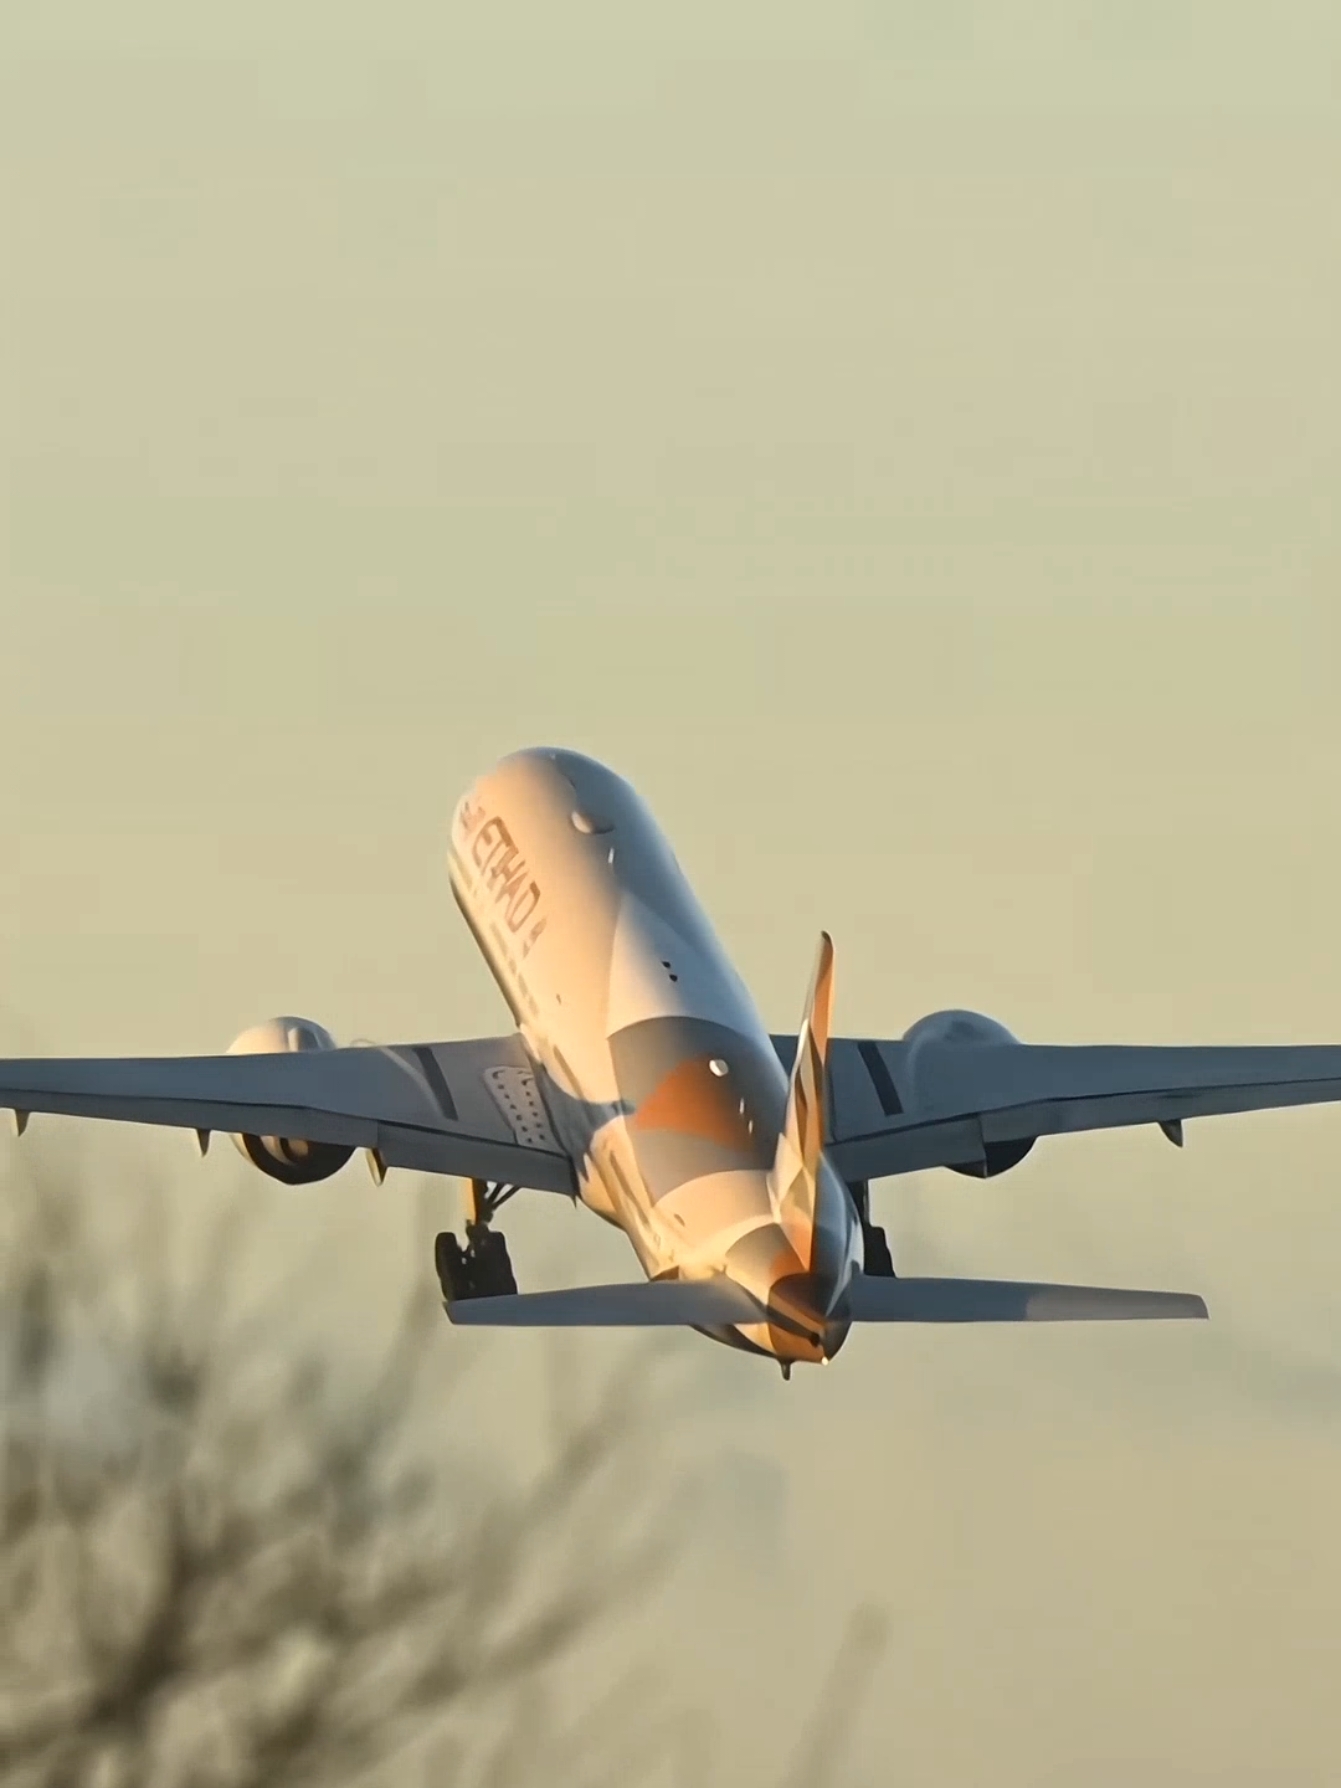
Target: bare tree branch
224	1566
258	1579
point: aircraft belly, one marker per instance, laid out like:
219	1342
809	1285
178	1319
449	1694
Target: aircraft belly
655	1071
610	1188
706	1216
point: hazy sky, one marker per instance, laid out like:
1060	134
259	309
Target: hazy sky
907	442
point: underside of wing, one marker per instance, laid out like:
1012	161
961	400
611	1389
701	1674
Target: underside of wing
470	1107
896	1107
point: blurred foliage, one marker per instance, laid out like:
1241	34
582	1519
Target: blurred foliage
223	1564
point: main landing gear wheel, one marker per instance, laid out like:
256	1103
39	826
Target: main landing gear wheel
481	1269
877	1261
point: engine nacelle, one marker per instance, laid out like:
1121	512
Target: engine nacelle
287	1158
969	1030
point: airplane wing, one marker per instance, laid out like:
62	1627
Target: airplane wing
467	1108
898	1107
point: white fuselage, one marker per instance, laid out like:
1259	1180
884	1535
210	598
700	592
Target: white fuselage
656	1070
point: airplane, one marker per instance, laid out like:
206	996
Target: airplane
641	1080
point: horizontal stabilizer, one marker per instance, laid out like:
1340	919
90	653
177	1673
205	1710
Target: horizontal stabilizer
1010	1300
696	1303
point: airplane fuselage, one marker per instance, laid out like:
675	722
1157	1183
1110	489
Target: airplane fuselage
656	1071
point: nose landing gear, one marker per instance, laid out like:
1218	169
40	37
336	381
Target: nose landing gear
481	1269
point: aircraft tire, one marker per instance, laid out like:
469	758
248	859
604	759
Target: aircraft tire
878	1261
481	1269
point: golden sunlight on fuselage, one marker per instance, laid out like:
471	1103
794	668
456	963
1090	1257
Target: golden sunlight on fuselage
659	1076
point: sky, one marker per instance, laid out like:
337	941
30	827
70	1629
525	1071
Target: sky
906	442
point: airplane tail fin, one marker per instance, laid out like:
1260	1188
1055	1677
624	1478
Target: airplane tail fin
796	1164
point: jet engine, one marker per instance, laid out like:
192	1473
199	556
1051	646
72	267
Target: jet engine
287	1158
969	1030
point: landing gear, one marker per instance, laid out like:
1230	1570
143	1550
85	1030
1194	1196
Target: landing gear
877	1261
481	1269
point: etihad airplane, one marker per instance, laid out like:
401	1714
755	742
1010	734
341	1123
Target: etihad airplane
641	1080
